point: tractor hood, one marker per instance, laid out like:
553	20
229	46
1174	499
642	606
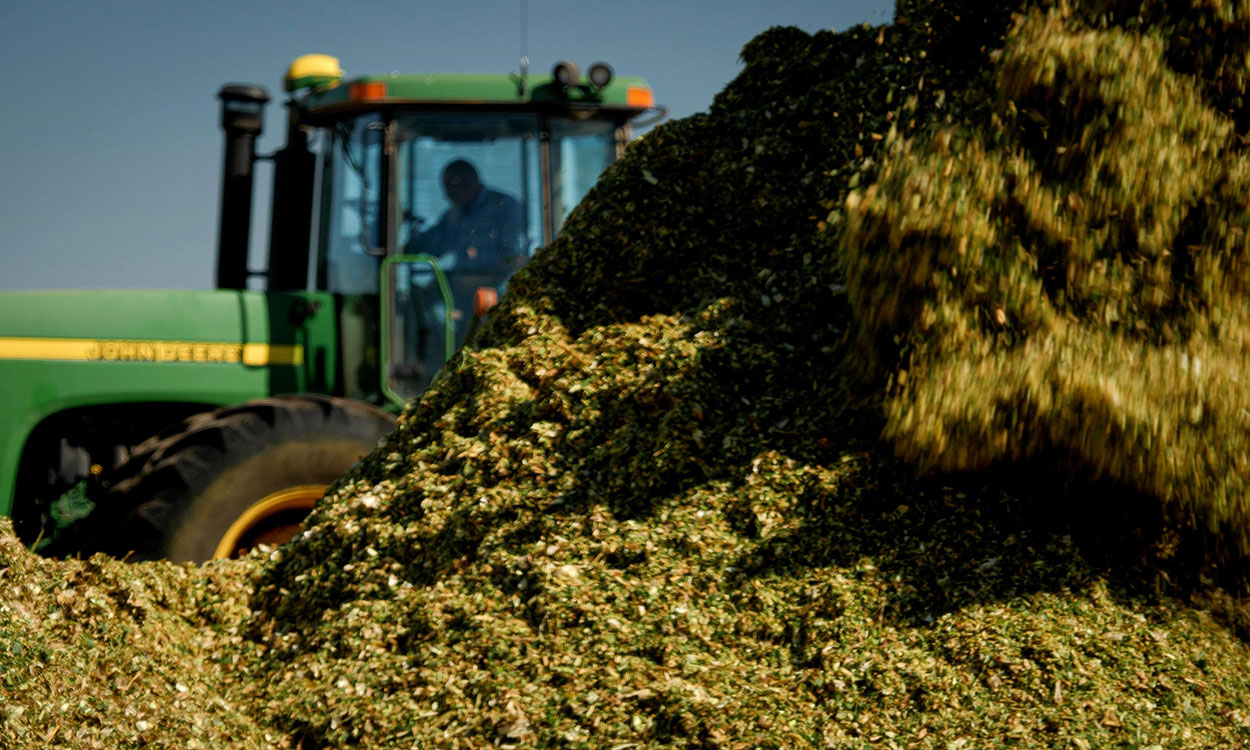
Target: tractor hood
61	350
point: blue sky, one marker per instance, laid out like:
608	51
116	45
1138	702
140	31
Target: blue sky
109	142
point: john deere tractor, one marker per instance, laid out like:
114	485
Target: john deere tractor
197	424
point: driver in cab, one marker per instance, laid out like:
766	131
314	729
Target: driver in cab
480	233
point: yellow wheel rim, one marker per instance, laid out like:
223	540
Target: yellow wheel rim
252	520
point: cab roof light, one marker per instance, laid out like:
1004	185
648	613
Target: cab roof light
600	75
310	71
639	96
566	73
367	91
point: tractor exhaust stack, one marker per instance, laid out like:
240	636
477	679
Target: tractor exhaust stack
242	117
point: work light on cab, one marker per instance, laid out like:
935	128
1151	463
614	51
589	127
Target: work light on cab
566	73
600	75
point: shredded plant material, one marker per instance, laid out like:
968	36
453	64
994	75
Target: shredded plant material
104	654
1066	273
651	505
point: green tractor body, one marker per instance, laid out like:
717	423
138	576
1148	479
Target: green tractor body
194	424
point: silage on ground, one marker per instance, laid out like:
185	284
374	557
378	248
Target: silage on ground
651	508
102	654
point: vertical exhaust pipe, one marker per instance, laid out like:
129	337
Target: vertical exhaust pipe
242	118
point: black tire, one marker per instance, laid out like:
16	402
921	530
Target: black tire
181	490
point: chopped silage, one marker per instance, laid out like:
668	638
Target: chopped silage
103	654
651	507
1065	276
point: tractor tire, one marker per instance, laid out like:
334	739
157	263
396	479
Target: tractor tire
224	480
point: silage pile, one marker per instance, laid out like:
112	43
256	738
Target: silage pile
102	654
651	506
1065	276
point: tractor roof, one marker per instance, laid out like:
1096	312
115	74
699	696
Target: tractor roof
627	95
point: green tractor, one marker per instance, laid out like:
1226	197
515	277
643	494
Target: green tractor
198	424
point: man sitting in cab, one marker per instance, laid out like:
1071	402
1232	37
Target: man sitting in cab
479	238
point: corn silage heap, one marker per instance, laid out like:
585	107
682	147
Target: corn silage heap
102	654
650	507
1064	277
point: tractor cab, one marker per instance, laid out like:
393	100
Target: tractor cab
411	199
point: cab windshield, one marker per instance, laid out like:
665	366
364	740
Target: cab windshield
459	202
469	190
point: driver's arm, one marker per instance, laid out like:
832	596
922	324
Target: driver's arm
512	234
430	241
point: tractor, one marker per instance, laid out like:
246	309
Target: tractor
191	425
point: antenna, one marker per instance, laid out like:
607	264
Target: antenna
525	60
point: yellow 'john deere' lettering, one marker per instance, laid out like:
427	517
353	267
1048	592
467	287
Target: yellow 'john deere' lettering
166	351
120	350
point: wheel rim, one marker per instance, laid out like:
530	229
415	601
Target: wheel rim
273	519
